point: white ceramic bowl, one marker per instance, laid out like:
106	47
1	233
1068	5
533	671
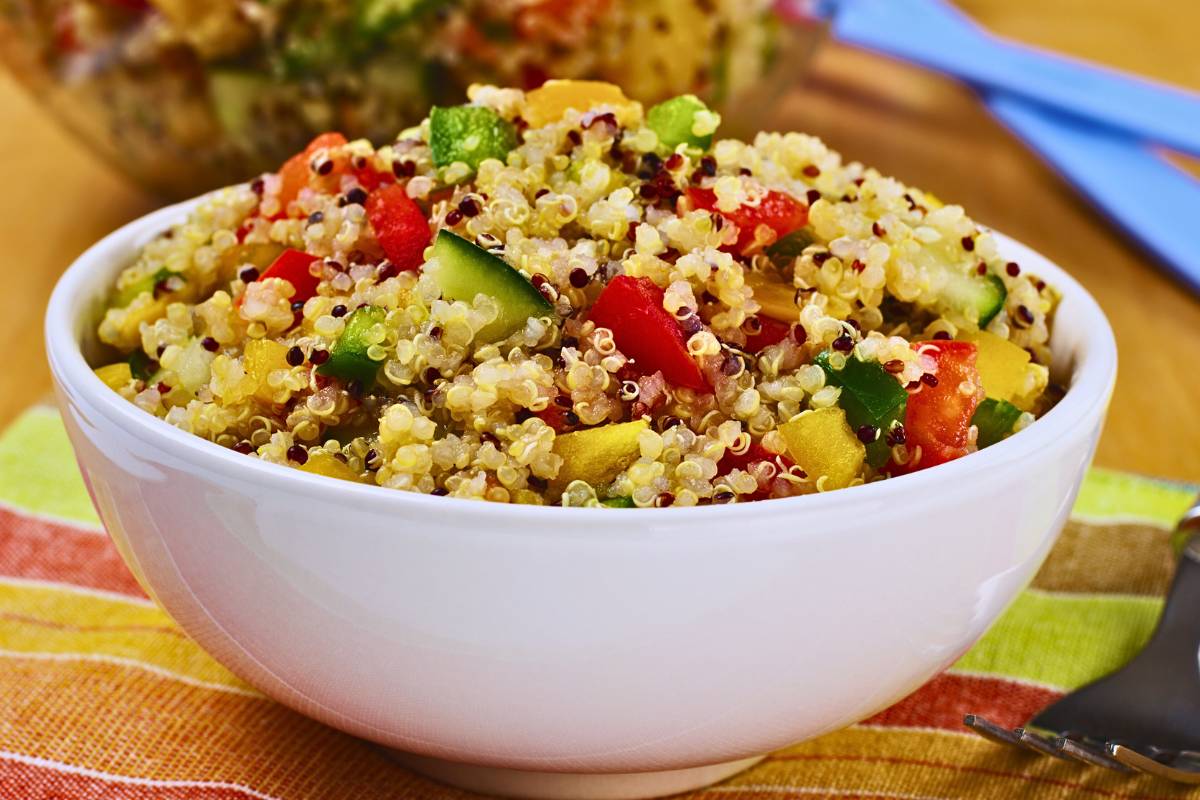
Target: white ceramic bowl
552	652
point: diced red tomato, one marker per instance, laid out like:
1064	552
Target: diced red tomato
371	179
295	172
293	267
754	454
632	308
772	332
779	211
938	418
399	225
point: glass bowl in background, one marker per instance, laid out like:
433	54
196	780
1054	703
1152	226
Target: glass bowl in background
186	95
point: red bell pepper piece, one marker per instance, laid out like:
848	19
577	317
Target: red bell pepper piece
632	308
779	211
754	454
400	226
295	172
292	266
938	417
772	331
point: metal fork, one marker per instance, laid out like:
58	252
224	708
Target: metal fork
1144	717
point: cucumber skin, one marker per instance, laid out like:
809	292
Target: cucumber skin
466	270
348	358
870	396
987	314
618	502
982	294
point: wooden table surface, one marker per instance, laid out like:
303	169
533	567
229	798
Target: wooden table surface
56	199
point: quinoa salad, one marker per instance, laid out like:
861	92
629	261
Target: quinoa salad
560	297
188	95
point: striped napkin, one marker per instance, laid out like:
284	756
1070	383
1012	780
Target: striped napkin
101	696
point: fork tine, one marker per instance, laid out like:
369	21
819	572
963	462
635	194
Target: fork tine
1082	751
1133	759
990	730
1040	743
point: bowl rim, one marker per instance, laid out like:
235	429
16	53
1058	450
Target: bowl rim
1092	379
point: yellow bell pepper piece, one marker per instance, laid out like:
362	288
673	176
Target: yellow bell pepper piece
778	300
264	356
128	332
325	464
597	455
549	102
115	376
1003	367
821	442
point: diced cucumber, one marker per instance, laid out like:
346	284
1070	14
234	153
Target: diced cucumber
348	357
466	270
469	134
870	396
619	502
134	290
789	248
979	297
995	420
673	121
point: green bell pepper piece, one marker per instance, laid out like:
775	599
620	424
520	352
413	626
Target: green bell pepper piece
995	420
870	396
469	134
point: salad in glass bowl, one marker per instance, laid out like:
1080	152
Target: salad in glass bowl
187	95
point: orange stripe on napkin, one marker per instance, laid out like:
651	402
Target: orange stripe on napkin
37	779
31	547
116	719
944	701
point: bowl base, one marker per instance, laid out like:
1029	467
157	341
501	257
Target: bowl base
571	786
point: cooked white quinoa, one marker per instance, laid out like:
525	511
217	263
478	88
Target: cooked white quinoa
586	197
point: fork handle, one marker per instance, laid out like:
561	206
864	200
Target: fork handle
935	34
1155	698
